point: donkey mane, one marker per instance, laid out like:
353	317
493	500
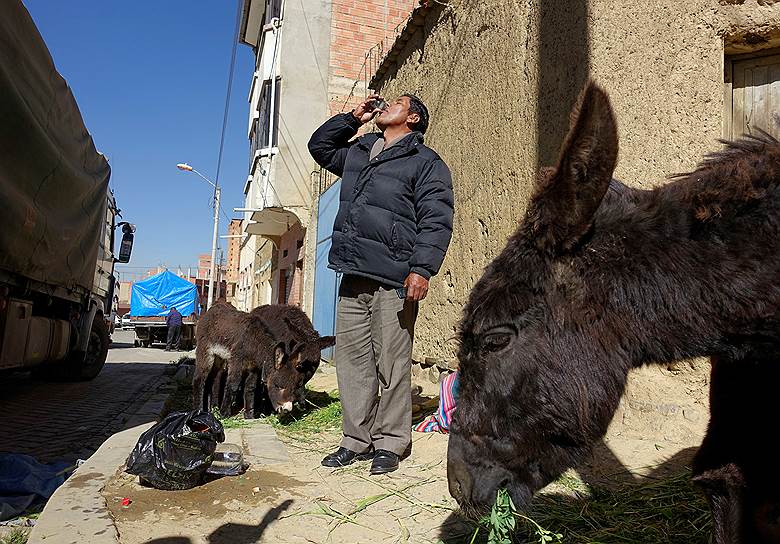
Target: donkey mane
740	173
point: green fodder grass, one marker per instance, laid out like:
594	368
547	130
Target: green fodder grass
663	511
233	422
322	412
16	536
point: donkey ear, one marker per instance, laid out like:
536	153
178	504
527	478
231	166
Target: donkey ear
326	341
562	208
293	326
279	354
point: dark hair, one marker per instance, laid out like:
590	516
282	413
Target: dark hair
416	106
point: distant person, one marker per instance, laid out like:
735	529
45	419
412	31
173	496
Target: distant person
173	320
113	316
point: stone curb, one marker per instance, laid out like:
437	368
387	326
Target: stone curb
77	512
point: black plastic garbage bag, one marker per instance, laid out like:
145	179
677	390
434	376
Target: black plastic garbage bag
175	453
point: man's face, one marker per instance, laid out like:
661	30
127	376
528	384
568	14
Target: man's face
396	114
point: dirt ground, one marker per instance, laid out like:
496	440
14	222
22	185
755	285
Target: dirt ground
301	501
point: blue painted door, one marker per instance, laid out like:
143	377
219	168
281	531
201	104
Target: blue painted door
326	281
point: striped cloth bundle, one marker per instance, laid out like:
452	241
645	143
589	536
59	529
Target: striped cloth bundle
440	421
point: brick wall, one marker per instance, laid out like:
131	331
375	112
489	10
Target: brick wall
204	265
234	250
356	27
290	265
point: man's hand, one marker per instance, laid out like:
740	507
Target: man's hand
366	110
416	287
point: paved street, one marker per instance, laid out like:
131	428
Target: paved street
68	421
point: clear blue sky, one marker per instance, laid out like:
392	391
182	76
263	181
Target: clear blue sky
150	78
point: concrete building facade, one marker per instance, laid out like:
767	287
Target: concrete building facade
311	62
500	79
287	96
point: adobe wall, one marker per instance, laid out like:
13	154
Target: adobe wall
499	97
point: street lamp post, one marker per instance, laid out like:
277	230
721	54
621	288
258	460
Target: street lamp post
187	168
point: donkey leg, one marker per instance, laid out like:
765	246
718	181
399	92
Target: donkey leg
232	384
734	466
250	385
203	365
724	489
215	397
716	469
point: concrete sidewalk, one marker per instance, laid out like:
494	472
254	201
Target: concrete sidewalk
77	513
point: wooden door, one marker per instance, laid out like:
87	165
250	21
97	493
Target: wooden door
755	96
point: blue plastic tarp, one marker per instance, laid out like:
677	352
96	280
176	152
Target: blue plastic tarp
156	296
24	482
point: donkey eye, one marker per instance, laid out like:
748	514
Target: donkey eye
497	339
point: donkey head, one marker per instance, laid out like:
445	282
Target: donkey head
295	362
305	359
535	393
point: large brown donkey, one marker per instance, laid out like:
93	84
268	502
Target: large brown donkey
600	278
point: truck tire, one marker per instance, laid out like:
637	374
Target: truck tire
79	366
97	351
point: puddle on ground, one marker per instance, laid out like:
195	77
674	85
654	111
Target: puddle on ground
211	500
81	481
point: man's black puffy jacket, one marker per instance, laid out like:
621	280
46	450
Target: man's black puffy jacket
395	212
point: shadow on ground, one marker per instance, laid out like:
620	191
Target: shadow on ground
55	420
608	504
233	533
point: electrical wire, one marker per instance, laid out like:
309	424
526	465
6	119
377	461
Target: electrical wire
229	92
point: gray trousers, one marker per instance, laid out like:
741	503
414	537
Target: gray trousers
374	334
174	336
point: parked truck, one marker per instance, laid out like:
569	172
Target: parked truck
58	217
152	299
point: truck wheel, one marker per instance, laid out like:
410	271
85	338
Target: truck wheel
79	366
97	351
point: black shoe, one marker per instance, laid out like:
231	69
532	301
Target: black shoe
384	461
343	457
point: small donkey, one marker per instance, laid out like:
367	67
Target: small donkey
599	279
274	347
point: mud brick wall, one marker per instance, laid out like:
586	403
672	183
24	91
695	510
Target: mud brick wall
356	27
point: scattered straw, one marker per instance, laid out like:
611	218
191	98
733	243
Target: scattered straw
656	512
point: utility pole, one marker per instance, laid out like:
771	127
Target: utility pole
187	168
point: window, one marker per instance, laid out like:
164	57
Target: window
273	9
264	121
285	284
752	94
